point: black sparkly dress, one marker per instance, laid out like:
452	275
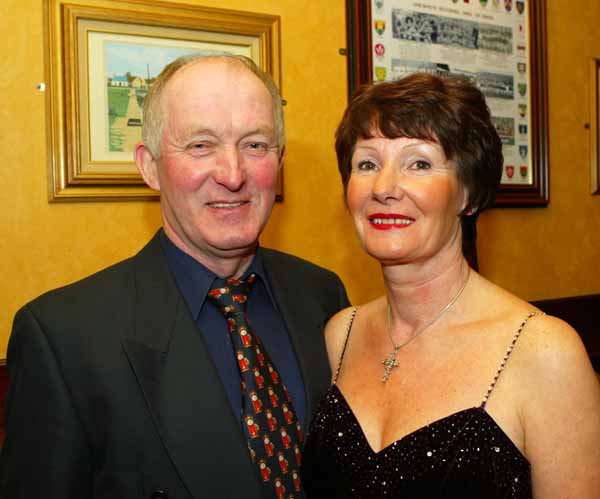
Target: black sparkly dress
464	455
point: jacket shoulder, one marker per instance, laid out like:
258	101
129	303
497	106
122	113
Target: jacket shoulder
107	285
98	286
321	286
294	265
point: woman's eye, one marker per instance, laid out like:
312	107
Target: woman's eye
365	165
420	165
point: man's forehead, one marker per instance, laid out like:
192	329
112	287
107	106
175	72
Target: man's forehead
210	74
217	115
215	86
224	129
217	98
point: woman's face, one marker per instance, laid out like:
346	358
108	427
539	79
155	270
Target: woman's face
405	199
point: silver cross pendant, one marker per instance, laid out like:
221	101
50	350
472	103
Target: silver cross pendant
389	363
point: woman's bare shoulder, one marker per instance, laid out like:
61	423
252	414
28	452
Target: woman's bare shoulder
554	349
547	342
338	327
547	346
338	322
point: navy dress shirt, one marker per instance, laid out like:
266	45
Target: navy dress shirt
194	281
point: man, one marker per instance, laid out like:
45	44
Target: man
131	383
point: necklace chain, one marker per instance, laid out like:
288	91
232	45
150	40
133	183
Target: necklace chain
390	361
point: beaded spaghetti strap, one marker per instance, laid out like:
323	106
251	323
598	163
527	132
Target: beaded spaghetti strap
339	366
506	356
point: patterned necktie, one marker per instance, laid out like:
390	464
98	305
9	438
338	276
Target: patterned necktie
274	434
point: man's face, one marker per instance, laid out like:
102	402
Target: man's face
219	160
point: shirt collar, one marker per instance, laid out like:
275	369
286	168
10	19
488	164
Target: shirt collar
194	280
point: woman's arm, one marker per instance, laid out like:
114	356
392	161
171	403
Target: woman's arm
561	416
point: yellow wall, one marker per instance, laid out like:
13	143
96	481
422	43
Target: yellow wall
537	253
555	251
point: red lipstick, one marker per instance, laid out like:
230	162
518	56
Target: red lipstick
387	221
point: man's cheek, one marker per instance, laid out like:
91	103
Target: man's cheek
265	176
186	177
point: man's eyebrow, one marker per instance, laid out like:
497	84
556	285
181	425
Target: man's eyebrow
192	131
261	129
264	132
207	133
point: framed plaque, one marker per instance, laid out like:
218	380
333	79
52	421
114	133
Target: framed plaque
499	45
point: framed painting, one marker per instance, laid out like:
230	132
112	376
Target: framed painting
102	56
499	45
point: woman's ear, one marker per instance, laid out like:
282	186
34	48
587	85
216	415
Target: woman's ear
470	211
465	209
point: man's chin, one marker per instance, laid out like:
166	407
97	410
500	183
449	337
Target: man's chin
234	246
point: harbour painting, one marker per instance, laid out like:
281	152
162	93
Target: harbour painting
121	69
130	70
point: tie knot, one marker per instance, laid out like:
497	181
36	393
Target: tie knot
231	295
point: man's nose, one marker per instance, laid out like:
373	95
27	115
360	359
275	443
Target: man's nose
230	172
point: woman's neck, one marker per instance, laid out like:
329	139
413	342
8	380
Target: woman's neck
417	293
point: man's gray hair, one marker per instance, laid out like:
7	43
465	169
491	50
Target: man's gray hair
153	113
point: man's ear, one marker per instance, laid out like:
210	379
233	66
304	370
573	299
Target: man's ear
281	157
147	166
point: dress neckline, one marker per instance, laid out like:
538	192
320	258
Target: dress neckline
479	410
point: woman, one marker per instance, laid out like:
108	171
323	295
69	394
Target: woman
446	386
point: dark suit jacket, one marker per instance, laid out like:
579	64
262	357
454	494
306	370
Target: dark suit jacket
113	393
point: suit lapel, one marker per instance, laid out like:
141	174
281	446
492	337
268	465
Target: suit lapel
181	385
305	329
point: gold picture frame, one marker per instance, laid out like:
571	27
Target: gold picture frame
594	127
94	104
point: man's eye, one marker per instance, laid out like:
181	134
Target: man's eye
200	148
257	148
